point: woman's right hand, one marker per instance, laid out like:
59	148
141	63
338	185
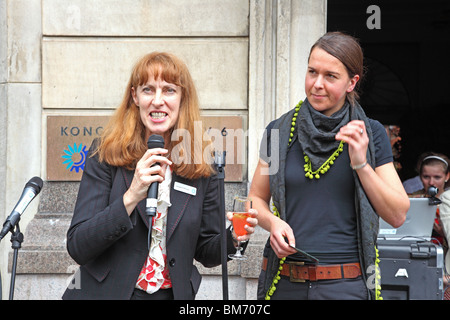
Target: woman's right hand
279	229
281	236
150	168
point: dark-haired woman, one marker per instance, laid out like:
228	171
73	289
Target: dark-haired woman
334	179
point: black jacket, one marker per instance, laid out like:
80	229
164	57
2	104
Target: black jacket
111	247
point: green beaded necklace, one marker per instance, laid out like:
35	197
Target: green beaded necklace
308	166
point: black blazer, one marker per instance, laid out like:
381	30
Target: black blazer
111	247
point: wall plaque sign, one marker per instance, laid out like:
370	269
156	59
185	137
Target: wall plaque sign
69	139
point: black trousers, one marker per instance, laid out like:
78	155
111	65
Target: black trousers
162	294
340	289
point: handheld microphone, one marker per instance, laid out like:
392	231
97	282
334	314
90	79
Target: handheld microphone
154	141
31	190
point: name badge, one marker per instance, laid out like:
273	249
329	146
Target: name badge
185	188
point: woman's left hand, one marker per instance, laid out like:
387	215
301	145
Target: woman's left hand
252	222
355	135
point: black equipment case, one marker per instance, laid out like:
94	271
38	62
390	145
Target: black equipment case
411	270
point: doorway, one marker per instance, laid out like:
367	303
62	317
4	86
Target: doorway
406	82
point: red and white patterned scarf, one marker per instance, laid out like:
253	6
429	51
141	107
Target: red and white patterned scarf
155	273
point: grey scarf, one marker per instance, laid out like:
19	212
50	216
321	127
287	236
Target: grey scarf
316	132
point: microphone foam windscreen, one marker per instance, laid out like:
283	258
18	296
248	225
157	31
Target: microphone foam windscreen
155	141
35	183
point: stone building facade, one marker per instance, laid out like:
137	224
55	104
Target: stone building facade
68	61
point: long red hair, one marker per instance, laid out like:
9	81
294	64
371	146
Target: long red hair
123	141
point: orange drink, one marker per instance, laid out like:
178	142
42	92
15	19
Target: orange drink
239	221
240	206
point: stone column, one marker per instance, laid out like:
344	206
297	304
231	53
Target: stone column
281	35
20	112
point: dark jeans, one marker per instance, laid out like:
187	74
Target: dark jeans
341	289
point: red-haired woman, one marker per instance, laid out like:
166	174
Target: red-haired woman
108	235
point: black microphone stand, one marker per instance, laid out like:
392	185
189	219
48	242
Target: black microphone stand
219	160
16	240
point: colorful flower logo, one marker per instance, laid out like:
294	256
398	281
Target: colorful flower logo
75	157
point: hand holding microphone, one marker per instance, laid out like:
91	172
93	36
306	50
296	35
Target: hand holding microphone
154	141
149	169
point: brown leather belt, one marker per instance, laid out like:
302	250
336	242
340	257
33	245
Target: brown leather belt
299	272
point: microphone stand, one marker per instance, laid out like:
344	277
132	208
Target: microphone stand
219	160
16	240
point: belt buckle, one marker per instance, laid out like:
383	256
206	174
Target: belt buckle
291	267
